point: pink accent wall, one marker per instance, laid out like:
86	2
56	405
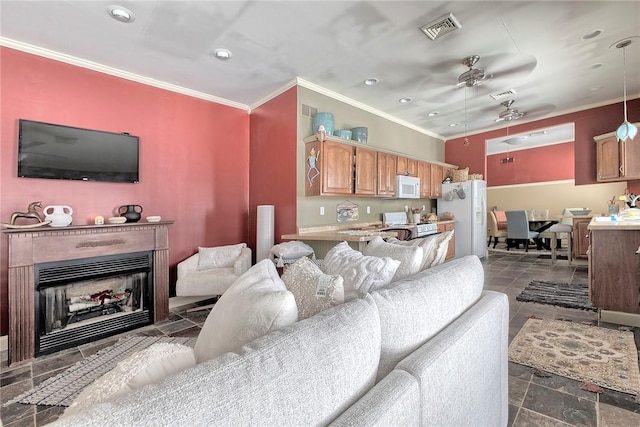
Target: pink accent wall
273	179
580	164
194	154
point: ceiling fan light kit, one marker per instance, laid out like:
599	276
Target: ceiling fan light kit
474	76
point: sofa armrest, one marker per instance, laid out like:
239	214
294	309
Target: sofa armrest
243	263
188	265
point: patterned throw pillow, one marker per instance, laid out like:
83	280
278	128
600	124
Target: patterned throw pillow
313	290
362	274
429	245
219	256
410	257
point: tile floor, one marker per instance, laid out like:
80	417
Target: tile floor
533	400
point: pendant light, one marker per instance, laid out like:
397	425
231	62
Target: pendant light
626	130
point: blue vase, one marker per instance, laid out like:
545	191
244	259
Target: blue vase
324	119
360	134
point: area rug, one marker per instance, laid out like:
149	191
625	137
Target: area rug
63	388
562	294
605	357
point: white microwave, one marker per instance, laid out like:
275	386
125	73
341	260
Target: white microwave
407	187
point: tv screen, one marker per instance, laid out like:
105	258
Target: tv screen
62	152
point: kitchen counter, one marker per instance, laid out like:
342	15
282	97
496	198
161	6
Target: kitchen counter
363	232
605	223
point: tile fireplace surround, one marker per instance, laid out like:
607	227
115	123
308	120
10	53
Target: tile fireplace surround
28	247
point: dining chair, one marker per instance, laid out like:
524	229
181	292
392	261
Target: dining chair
518	229
493	230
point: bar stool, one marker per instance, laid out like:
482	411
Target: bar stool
561	228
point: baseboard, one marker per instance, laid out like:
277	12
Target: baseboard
4	343
619	318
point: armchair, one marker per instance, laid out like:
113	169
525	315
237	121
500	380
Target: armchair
211	271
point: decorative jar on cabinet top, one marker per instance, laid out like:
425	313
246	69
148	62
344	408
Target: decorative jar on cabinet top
324	119
131	212
59	215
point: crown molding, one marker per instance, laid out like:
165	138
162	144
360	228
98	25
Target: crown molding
90	65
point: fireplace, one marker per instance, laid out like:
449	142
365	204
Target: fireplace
104	252
84	300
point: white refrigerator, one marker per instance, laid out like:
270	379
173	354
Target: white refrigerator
468	202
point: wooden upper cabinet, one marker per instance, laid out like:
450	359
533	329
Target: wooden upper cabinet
424	173
386	174
406	166
436	181
616	160
329	169
366	170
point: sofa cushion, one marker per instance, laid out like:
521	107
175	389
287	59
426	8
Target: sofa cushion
143	367
219	256
361	273
256	303
410	257
313	290
414	309
306	373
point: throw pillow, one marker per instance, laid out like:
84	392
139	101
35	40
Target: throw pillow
219	256
255	304
362	274
501	219
428	245
143	367
442	246
313	290
290	251
410	257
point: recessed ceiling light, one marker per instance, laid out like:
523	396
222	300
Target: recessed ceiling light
222	54
121	14
370	82
593	67
452	125
592	34
405	100
432	114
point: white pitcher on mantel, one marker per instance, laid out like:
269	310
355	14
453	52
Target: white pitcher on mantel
59	215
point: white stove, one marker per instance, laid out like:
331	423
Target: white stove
399	220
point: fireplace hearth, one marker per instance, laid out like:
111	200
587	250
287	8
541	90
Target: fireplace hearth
87	299
55	255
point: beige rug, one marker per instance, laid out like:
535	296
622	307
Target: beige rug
602	356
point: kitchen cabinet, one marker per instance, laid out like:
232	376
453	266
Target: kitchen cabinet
406	166
424	173
616	160
386	174
447	173
436	181
366	170
581	236
614	267
451	249
329	169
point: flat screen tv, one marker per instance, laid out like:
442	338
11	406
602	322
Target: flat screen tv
53	151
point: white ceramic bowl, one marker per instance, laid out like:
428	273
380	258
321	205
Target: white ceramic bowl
117	220
154	218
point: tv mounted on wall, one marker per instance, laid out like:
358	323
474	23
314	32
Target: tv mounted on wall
53	151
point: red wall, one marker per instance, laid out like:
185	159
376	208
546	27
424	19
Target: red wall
272	179
194	154
581	164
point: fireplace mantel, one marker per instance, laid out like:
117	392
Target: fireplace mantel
30	246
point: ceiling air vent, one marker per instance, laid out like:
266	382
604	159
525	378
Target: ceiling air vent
505	94
441	26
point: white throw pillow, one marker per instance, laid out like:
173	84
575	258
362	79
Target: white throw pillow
313	290
291	250
410	257
143	367
219	256
427	243
361	274
255	304
442	246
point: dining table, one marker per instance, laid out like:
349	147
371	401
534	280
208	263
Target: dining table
542	225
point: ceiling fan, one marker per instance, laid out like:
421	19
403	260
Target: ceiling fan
473	76
510	113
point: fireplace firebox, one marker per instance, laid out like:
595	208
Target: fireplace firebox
87	299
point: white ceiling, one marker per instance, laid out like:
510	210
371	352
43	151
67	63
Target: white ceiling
534	47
